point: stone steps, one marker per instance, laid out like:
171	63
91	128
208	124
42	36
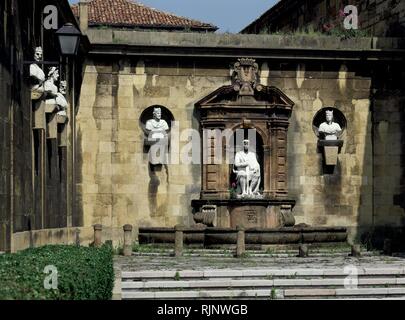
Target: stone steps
150	249
336	293
276	253
250	254
259	284
377	282
237	273
201	294
361	293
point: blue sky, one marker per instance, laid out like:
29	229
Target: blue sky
228	15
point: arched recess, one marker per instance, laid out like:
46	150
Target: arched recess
147	114
338	117
255	145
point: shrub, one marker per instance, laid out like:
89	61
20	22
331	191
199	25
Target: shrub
83	273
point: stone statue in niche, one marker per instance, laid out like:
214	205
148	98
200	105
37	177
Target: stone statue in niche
61	100
247	170
37	76
329	142
330	130
157	128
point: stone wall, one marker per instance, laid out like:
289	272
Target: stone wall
116	186
16	198
388	106
116	182
377	17
5	92
33	168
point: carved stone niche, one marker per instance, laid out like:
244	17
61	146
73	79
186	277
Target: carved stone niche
39	118
329	124
156	122
265	110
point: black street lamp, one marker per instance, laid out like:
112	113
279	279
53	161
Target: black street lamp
69	39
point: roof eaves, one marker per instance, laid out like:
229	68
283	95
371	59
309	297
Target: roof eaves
279	6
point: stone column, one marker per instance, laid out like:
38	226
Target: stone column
240	241
97	235
178	241
127	240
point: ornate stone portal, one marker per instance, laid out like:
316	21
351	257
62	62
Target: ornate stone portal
261	199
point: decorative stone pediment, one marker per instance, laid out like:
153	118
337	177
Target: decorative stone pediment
227	97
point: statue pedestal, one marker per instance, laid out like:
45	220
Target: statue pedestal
39	115
52	126
331	149
161	141
157	150
62	130
249	213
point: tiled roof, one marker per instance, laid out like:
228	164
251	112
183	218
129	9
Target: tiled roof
128	13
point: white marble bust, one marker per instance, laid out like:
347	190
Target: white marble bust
50	87
157	127
61	100
247	170
330	129
37	76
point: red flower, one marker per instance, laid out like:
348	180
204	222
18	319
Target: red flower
328	26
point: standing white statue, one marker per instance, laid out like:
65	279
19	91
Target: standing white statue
157	127
331	130
37	76
247	170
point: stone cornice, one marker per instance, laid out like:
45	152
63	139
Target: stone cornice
137	43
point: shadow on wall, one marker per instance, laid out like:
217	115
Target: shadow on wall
159	175
388	137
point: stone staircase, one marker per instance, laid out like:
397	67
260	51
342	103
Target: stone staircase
226	253
301	283
153	273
